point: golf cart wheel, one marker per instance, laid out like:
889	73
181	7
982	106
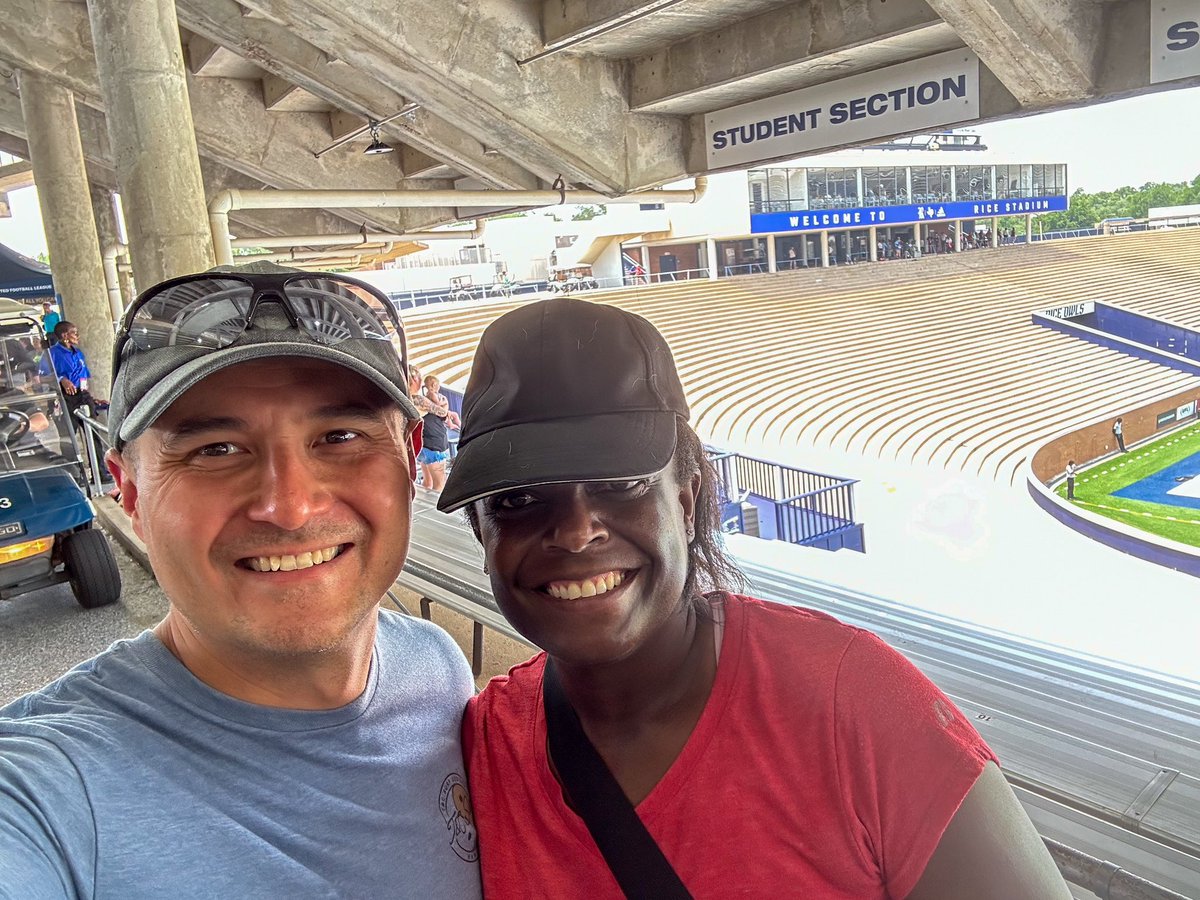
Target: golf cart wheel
91	568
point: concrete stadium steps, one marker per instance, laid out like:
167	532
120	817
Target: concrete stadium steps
932	361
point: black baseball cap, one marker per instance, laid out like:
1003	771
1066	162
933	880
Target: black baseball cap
561	391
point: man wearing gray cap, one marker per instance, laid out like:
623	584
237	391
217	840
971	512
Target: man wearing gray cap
277	734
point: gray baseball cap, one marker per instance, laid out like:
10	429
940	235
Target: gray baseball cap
148	379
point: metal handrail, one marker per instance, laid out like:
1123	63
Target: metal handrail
1106	880
97	444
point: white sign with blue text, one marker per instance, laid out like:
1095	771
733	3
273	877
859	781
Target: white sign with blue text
926	93
1174	39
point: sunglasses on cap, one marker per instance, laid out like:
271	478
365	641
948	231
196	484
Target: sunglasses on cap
212	310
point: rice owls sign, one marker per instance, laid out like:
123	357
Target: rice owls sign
1174	39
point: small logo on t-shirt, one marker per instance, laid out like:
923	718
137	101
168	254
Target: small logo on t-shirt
943	712
455	804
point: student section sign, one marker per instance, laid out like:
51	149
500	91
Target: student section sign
882	216
926	93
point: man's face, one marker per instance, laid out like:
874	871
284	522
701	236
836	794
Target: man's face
274	499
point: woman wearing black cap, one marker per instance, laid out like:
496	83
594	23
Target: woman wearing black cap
675	739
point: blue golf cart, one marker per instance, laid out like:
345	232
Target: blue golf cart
47	523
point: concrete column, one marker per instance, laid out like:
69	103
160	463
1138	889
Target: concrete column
771	263
954	182
63	195
804	249
140	63
995	232
1028	229
710	247
824	249
958	227
645	254
873	239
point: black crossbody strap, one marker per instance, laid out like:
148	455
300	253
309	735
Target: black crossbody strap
631	853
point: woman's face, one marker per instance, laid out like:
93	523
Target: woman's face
590	571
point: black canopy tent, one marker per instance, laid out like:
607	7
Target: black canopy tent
23	278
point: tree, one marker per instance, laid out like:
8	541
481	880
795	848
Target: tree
584	213
1087	210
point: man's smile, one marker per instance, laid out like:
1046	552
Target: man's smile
290	562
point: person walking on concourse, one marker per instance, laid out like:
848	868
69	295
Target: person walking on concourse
277	734
677	739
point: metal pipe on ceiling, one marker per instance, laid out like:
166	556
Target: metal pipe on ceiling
605	27
359	238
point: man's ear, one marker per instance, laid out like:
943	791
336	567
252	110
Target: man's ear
123	473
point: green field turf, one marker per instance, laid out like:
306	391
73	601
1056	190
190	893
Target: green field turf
1094	487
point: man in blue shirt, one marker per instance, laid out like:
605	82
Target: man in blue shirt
277	734
70	365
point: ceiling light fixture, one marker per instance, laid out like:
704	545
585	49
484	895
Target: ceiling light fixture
376	146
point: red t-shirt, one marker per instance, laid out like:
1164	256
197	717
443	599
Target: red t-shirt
823	766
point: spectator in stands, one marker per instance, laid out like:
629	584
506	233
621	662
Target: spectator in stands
1071	470
1118	430
50	319
277	734
751	744
435	449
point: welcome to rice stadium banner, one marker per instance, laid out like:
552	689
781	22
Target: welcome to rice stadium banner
865	217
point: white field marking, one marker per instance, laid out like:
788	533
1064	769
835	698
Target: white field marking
1148	515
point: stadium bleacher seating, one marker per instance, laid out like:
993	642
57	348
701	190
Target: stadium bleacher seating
932	362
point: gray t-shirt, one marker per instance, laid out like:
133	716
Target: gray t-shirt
129	778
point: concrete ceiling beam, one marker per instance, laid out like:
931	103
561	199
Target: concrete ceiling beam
16	175
235	130
102	172
783	50
567	115
1045	52
342	123
322	71
276	90
417	164
199	52
231	125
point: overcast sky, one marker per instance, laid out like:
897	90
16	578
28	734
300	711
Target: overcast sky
1105	146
